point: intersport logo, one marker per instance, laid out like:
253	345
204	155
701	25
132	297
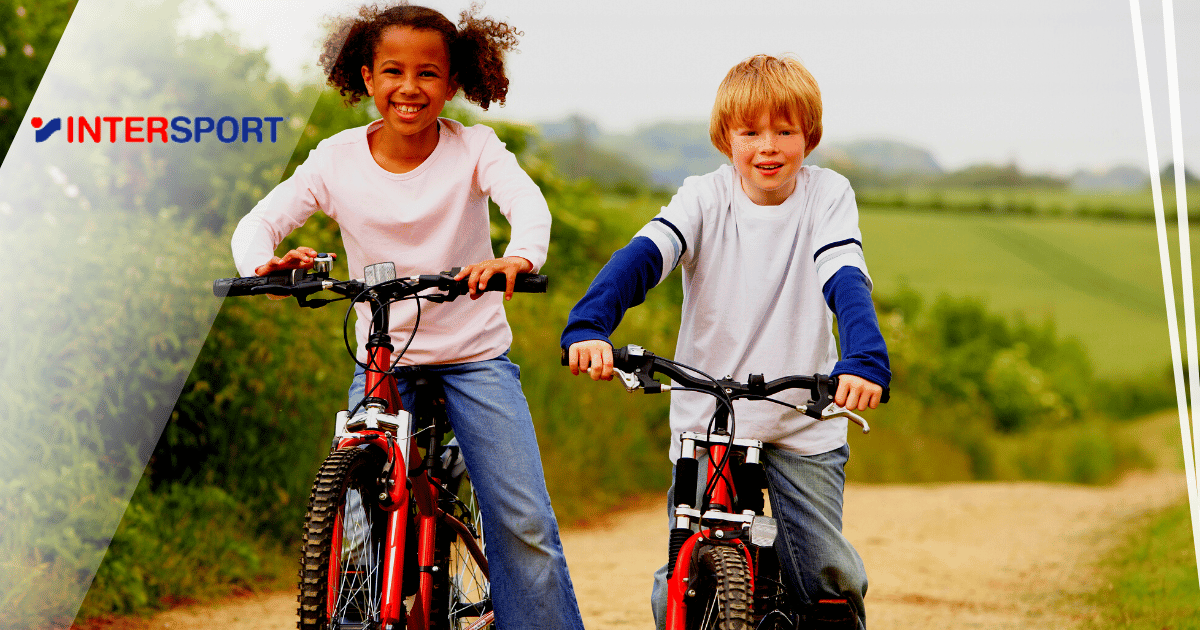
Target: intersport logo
180	129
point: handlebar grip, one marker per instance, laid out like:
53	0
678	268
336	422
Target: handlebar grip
254	285
526	283
621	357
226	287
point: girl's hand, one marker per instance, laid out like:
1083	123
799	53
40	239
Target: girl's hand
299	258
480	273
856	393
594	357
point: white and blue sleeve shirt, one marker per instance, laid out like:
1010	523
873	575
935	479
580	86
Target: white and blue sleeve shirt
761	285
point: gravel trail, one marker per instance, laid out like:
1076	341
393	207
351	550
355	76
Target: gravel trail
970	555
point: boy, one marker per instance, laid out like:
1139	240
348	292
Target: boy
769	247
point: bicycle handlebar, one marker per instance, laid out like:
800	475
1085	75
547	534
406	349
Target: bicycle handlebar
637	367
301	283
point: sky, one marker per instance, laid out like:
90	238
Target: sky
1049	84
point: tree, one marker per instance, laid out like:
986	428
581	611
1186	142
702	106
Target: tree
29	33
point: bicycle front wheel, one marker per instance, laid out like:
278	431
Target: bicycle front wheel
723	591
344	530
462	593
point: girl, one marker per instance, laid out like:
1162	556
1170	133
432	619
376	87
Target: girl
413	189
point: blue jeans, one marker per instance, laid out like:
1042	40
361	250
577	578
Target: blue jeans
806	501
490	417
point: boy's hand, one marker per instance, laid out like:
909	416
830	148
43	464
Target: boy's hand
856	393
481	272
594	357
299	258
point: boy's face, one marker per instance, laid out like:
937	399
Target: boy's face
767	155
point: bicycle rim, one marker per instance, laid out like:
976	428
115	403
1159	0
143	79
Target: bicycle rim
463	592
724	591
342	562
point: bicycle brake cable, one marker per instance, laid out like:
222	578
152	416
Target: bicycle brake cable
723	398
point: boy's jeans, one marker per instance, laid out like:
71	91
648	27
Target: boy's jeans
490	417
806	501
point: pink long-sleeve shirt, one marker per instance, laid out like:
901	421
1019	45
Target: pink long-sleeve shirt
427	220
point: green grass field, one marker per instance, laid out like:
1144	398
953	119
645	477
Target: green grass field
1099	281
1149	581
1122	205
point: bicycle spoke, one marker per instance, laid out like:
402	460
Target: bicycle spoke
359	581
468	592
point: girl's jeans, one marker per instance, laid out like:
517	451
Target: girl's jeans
806	502
487	410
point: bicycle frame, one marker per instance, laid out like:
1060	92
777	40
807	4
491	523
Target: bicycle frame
723	518
412	491
402	467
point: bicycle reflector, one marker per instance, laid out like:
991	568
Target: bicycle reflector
379	272
762	531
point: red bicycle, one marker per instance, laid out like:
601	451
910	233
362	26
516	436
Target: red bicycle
722	567
392	536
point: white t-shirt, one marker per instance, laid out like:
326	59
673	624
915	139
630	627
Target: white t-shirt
752	278
427	220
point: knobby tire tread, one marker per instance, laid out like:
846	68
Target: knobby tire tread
341	470
723	600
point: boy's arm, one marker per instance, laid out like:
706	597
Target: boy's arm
623	283
864	353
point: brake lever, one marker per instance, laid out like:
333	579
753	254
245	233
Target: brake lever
835	410
641	380
630	381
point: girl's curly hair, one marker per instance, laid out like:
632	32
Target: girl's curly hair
477	46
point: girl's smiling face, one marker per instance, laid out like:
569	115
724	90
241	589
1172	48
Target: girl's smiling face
410	82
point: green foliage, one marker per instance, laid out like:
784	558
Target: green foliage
256	414
1006	176
29	33
96	349
1149	581
976	396
1020	372
1030	200
329	116
179	543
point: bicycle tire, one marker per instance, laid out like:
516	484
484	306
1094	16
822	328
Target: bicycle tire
771	607
342	558
722	600
461	591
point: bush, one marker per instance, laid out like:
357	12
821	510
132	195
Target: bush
179	543
97	344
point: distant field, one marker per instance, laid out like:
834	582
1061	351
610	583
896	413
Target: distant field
1099	281
1126	205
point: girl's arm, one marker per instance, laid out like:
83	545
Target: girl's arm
519	199
284	209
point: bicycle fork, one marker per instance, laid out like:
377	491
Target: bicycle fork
724	527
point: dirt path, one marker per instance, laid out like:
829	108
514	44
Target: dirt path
978	555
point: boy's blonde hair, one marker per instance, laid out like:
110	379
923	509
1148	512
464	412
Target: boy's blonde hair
780	86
